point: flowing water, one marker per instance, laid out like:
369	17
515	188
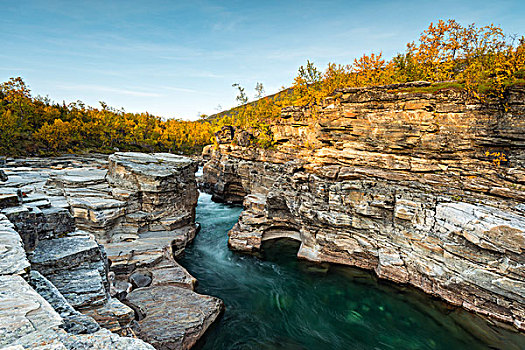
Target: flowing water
279	302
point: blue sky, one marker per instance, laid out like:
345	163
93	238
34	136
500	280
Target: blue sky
180	58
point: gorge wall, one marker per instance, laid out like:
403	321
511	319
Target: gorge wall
88	248
423	187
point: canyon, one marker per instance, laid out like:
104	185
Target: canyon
424	187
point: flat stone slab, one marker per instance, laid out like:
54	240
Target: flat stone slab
78	177
148	250
34	197
175	318
65	252
25	178
173	275
76	266
156	172
13	260
150	164
95	203
128	256
22	310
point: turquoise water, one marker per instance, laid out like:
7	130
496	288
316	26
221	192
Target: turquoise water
278	302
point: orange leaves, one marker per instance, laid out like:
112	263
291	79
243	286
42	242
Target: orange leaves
439	47
185	136
370	70
497	158
369	63
57	135
480	59
15	89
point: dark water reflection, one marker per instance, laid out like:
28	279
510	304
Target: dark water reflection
278	302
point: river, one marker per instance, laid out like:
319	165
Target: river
278	302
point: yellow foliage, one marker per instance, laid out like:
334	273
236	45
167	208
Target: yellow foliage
36	126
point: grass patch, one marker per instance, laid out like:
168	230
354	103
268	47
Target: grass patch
435	87
457	85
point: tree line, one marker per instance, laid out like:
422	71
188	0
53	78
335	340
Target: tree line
37	126
482	61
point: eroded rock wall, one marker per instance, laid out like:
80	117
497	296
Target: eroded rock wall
425	188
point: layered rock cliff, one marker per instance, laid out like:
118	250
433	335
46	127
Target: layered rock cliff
423	187
90	243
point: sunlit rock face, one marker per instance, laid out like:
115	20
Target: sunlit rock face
424	188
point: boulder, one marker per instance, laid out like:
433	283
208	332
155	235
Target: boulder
140	280
173	317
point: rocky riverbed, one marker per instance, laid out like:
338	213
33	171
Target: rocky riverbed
87	253
424	188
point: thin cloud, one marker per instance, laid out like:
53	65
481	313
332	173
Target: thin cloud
110	89
172	88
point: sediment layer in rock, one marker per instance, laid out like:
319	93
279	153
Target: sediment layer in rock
28	321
